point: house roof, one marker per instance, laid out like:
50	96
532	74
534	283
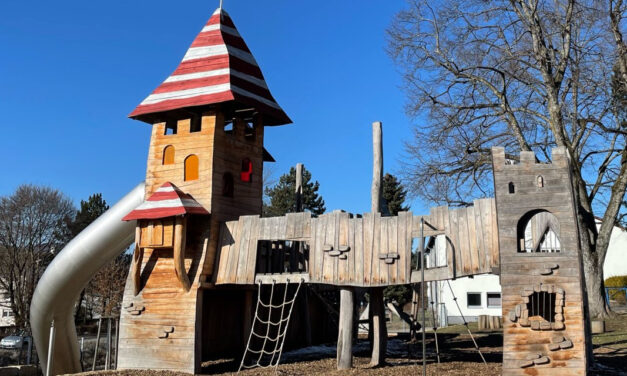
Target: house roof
218	68
167	201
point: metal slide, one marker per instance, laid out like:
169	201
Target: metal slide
67	275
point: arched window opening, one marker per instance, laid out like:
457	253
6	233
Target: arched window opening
540	181
539	233
246	174
191	168
227	185
511	188
168	155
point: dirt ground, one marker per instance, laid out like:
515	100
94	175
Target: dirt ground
458	356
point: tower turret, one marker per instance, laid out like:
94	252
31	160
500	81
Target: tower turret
206	150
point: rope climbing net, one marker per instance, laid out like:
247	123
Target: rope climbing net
267	334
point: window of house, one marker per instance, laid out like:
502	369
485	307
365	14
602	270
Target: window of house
511	188
474	300
540	181
494	300
5	313
195	124
168	155
170	127
191	168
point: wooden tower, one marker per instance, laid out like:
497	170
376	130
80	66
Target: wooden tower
541	267
205	165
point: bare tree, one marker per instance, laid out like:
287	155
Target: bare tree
33	226
106	289
527	75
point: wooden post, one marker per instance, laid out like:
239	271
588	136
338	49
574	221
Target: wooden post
180	227
299	187
137	262
345	332
304	300
376	313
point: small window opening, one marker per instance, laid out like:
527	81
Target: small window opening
494	300
474	300
282	256
228	127
511	187
541	306
540	181
171	127
168	155
227	185
246	174
191	168
195	124
249	131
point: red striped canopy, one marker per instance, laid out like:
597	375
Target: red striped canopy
167	201
217	68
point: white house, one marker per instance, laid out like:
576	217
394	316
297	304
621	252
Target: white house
481	294
6	314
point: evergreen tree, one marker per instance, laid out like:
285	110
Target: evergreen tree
91	209
394	194
282	200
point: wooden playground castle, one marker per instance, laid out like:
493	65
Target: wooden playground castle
203	253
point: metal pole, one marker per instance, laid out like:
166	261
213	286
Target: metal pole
93	366
50	350
108	356
422	294
117	342
82	348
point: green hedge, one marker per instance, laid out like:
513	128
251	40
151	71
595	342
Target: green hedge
618	281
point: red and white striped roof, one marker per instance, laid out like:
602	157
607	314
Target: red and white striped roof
217	68
167	201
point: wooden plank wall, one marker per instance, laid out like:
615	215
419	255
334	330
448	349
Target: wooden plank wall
159	327
365	251
471	238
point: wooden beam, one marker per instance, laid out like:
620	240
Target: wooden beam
180	228
376	314
136	268
345	331
282	278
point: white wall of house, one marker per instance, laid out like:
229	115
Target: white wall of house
479	295
616	258
6	314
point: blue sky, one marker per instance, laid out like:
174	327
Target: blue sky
72	71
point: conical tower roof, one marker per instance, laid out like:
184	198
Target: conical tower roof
217	68
167	201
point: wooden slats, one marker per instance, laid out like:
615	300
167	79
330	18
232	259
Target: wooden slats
368	251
